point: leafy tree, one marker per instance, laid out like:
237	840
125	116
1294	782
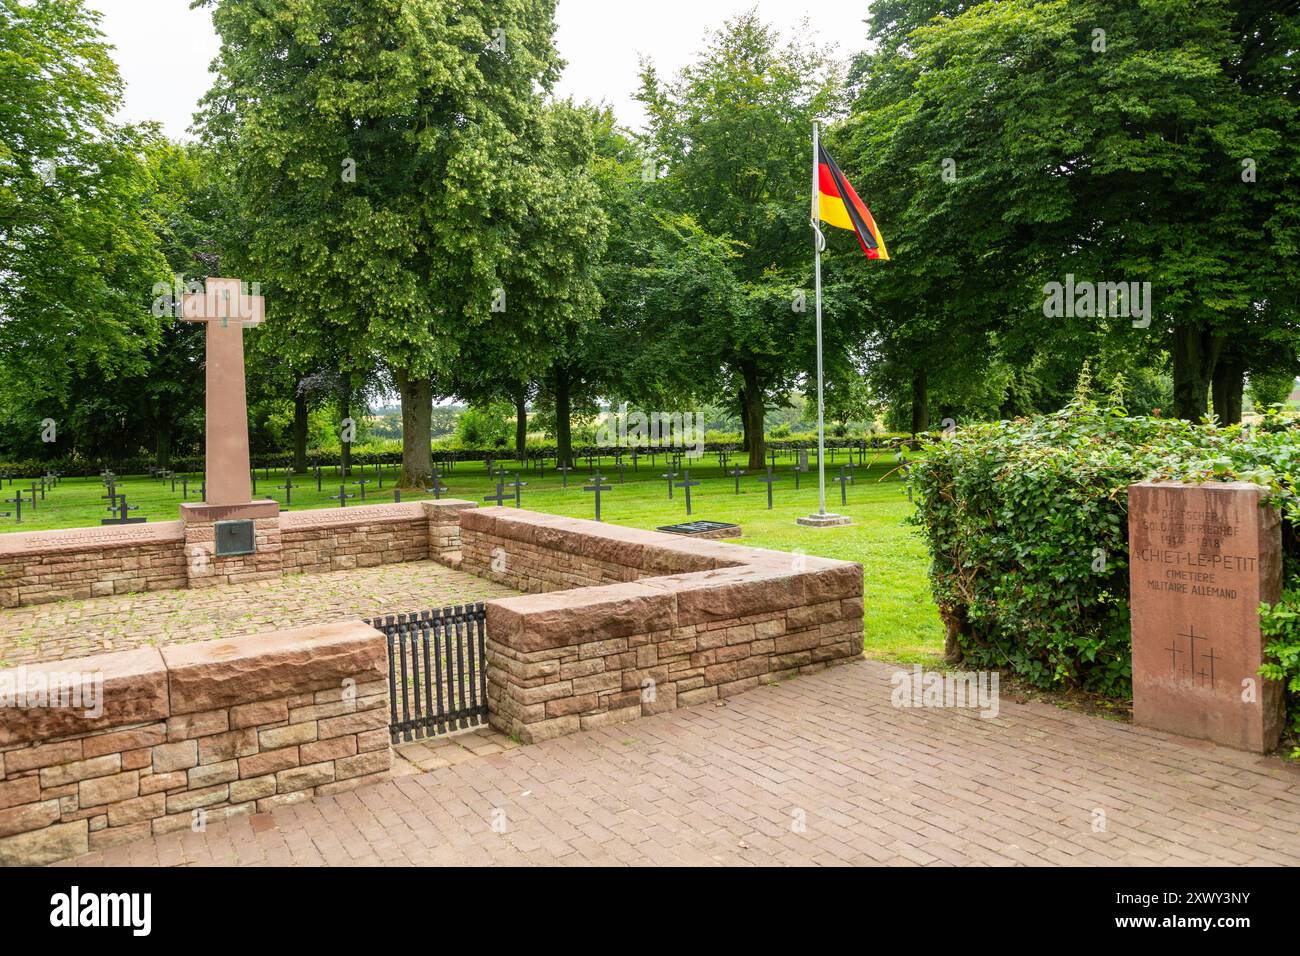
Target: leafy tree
79	253
1108	155
734	129
394	168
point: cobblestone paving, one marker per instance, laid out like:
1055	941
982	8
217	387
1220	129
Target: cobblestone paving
819	770
47	632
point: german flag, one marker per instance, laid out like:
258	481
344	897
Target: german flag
838	205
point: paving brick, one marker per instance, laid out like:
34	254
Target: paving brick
721	783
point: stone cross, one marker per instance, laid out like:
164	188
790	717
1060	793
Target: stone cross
686	484
227	312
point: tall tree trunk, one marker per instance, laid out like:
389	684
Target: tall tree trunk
1229	381
563	434
299	431
521	423
744	420
345	412
753	413
920	402
1196	352
417	428
163	446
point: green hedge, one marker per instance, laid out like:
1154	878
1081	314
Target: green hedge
1027	525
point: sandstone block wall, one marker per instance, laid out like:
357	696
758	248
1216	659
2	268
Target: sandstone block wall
42	566
189	734
684	621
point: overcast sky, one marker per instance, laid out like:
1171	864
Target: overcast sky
164	48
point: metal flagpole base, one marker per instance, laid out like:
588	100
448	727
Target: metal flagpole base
823	520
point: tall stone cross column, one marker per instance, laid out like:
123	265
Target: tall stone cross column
227	312
229	537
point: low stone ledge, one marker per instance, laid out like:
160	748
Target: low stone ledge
535	622
690	621
104	538
191	734
214	674
133	690
291	521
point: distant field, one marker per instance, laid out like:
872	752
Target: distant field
901	620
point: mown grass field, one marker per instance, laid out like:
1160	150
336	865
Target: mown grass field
901	622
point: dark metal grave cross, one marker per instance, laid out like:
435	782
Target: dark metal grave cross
397	496
36	485
636	454
736	473
843	480
437	487
500	497
564	472
670	475
16	500
768	481
362	482
598	486
254	473
123	510
798	470
287	487
687	484
517	485
342	497
772	455
620	470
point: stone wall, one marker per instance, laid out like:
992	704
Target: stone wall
41	566
186	734
622	623
340	539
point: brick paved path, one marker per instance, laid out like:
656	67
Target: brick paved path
47	632
818	770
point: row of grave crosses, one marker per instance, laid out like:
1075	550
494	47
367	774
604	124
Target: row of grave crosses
39	486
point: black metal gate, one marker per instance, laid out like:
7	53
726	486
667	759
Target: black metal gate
437	680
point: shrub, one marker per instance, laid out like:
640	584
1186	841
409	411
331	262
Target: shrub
1027	525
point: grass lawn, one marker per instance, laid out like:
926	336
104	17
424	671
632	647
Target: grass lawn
901	622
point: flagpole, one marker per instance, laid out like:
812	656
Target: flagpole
817	274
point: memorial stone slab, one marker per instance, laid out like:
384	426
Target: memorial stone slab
1201	559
